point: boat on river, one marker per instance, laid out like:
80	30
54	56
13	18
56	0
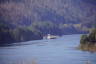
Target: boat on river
49	36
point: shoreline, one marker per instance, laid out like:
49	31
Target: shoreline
88	47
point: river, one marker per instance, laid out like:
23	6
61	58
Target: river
54	51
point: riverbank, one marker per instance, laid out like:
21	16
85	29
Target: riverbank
88	47
88	41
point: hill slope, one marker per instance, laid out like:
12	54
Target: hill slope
46	16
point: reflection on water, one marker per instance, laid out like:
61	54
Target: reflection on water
56	51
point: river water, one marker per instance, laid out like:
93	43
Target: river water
56	51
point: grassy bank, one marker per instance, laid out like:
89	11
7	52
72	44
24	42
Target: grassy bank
88	42
88	47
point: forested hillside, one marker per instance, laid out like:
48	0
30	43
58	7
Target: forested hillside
24	20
